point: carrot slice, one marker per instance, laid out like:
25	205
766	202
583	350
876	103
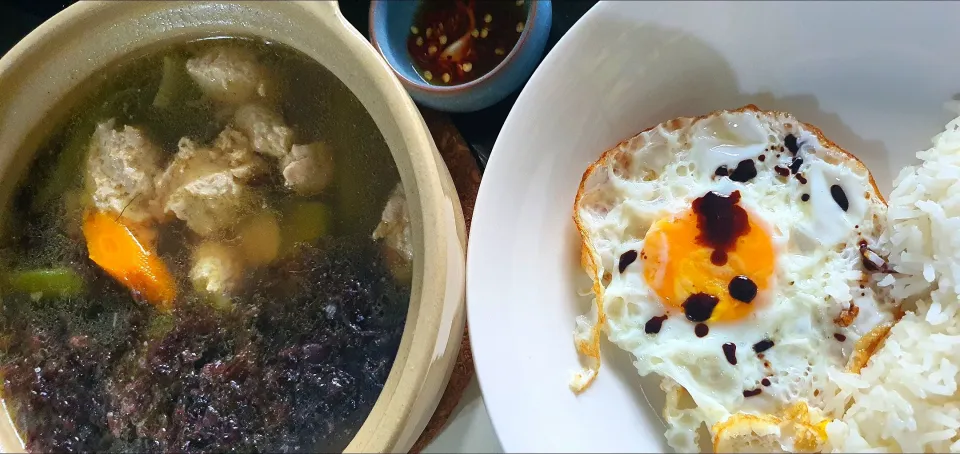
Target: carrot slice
113	246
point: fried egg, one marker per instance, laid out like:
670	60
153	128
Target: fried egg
732	254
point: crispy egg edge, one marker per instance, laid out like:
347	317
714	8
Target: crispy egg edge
834	154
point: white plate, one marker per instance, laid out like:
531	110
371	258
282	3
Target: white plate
873	76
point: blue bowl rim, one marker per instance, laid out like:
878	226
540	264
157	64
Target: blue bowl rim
424	86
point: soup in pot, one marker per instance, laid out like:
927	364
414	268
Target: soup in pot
210	253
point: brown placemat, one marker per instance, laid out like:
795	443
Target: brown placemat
466	177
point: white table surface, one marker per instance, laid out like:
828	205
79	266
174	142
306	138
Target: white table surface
469	429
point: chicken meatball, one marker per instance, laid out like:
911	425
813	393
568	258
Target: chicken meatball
209	187
230	75
120	170
266	129
308	169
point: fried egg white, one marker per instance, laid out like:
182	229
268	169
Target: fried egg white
731	255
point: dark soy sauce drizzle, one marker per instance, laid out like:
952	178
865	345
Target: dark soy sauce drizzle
701	330
654	325
763	346
839	337
626	259
752	392
791	142
765	382
744	172
805	197
801	178
718	257
721	222
699	307
871	260
730	351
840	197
795	165
782	171
794	147
743	289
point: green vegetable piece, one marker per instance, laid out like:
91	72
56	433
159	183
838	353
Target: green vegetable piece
178	109
303	222
53	282
159	326
170	82
66	168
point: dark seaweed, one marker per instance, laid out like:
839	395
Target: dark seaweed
269	377
58	403
295	367
184	389
366	302
57	357
335	338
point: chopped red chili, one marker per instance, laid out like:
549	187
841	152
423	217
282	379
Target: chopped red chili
453	42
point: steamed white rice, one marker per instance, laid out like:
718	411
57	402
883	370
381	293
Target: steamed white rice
907	398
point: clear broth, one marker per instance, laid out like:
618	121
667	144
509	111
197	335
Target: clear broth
297	360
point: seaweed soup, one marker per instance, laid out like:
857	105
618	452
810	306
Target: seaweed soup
211	253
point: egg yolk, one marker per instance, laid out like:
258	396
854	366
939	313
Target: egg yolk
679	267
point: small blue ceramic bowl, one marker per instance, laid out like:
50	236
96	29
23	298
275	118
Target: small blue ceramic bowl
390	22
